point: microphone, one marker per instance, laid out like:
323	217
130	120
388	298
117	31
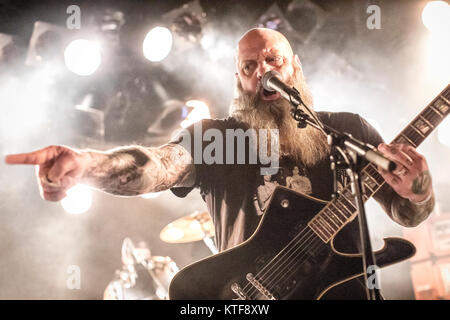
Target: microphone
370	153
271	81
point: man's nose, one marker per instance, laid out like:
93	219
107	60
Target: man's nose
262	69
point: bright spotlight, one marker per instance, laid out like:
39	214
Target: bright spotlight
200	111
82	57
444	132
78	199
436	16
157	44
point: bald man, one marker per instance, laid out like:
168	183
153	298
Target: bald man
230	190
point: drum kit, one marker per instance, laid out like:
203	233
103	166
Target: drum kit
147	277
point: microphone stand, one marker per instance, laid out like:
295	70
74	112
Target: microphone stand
348	152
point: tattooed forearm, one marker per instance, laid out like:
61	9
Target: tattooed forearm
422	183
135	170
409	214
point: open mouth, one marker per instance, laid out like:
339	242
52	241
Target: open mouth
268	93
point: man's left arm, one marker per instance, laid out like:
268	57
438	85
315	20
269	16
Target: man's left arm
409	199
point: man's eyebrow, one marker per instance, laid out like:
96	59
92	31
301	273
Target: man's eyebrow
267	52
244	61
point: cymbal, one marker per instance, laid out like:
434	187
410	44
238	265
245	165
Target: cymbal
193	227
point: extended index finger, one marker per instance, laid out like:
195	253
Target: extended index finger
35	157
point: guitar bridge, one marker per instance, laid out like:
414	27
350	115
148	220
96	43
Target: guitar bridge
261	288
239	292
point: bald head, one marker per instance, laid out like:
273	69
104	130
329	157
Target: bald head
261	50
261	38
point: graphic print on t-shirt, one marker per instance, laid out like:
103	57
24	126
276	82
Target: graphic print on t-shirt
291	175
297	182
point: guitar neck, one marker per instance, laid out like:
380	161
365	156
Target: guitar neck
337	213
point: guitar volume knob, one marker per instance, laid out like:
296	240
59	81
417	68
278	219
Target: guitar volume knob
285	203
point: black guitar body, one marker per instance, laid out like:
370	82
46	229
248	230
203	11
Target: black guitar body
319	268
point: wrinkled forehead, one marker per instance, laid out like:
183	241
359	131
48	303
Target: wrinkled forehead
256	43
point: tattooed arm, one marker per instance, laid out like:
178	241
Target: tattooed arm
401	210
410	214
135	170
126	171
408	196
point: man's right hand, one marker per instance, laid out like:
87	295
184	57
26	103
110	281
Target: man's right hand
58	169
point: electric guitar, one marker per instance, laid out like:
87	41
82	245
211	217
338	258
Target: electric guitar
291	254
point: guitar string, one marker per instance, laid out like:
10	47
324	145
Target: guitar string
288	261
286	272
306	232
300	263
302	234
282	276
312	235
263	279
289	247
428	115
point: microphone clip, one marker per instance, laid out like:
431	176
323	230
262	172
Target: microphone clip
300	116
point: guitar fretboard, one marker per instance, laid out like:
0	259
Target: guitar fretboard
337	213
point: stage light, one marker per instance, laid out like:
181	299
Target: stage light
186	22
10	52
78	200
444	132
157	44
46	45
82	57
274	19
436	16
188	25
305	17
200	111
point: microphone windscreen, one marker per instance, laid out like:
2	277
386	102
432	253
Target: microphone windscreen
266	78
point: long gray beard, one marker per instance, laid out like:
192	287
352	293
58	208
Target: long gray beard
307	145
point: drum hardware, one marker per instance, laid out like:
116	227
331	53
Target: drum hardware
193	227
143	276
